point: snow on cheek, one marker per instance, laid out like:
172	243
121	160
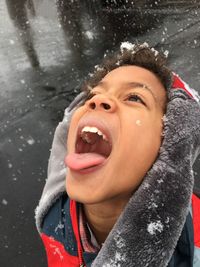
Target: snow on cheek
154	227
138	123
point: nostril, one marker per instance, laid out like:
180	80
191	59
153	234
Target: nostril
105	106
92	105
102	105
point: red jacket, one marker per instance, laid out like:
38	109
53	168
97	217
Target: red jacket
60	235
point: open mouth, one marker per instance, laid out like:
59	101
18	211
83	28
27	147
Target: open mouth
93	147
93	140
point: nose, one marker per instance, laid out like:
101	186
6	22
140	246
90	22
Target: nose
103	103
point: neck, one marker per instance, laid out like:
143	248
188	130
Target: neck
102	216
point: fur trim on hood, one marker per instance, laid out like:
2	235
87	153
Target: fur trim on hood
148	229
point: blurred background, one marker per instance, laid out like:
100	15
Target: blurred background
47	47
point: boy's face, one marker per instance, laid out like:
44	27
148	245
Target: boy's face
127	106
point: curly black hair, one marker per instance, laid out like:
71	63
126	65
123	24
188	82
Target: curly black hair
140	55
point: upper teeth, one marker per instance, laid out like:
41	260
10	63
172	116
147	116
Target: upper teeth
94	130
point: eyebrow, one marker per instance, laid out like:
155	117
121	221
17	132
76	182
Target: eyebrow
132	85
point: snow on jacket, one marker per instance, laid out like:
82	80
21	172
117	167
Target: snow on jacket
155	229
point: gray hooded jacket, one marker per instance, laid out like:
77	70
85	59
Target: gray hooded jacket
148	229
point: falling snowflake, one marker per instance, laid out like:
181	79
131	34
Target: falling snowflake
30	141
22	81
12	42
4	202
10	165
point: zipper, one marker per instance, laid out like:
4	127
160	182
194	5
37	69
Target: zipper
80	255
74	218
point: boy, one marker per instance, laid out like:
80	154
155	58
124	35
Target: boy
132	138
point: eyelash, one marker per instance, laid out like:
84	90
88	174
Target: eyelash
136	96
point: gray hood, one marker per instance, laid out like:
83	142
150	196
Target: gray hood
148	229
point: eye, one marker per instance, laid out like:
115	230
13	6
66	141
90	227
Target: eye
135	98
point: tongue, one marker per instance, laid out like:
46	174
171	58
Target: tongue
81	161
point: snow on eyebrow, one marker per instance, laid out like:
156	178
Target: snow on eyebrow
154	227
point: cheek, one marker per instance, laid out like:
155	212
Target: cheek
147	123
69	143
73	125
70	136
144	138
150	142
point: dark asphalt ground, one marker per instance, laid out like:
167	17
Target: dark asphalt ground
32	101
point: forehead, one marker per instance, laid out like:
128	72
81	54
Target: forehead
126	74
123	75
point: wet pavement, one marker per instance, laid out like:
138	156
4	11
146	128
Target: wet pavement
32	99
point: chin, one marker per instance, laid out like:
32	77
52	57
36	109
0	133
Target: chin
79	194
82	198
